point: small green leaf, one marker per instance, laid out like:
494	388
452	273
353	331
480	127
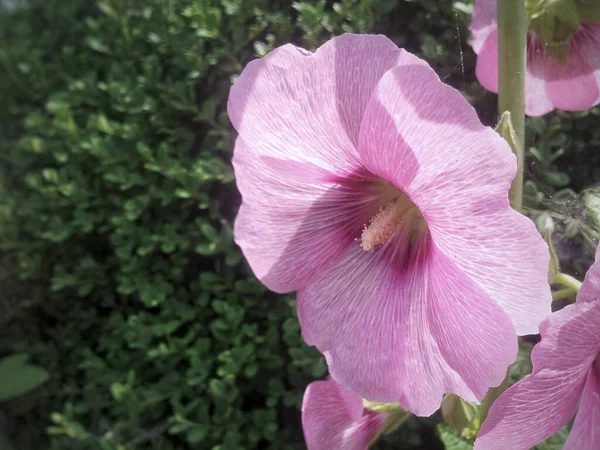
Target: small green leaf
196	435
591	198
118	391
97	45
17	377
557	179
218	388
452	439
107	9
182	193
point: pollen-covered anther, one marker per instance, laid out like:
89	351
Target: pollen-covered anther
395	214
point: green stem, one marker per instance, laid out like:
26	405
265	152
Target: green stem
512	50
381	407
568	281
563	293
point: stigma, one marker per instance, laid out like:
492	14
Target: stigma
398	215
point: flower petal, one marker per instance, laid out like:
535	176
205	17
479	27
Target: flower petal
296	219
536	99
486	68
424	138
296	164
333	418
484	28
590	289
530	411
535	407
299	106
405	324
483	22
503	253
585	434
588	41
572	87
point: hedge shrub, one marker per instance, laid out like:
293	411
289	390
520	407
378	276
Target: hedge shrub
116	216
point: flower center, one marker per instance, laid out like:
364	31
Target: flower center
400	214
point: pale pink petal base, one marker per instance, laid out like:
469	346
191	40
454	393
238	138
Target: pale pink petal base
333	418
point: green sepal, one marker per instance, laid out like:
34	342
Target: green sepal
555	22
546	227
457	412
565	11
506	129
543	26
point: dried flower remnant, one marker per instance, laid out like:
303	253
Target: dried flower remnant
373	189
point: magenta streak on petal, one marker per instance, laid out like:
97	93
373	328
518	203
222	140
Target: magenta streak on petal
403	323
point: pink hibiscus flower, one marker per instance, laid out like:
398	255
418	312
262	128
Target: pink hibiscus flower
334	418
372	188
548	83
565	381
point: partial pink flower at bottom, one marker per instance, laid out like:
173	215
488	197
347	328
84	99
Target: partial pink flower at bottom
565	381
372	188
334	418
549	84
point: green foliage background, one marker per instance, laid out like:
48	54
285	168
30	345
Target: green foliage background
118	274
